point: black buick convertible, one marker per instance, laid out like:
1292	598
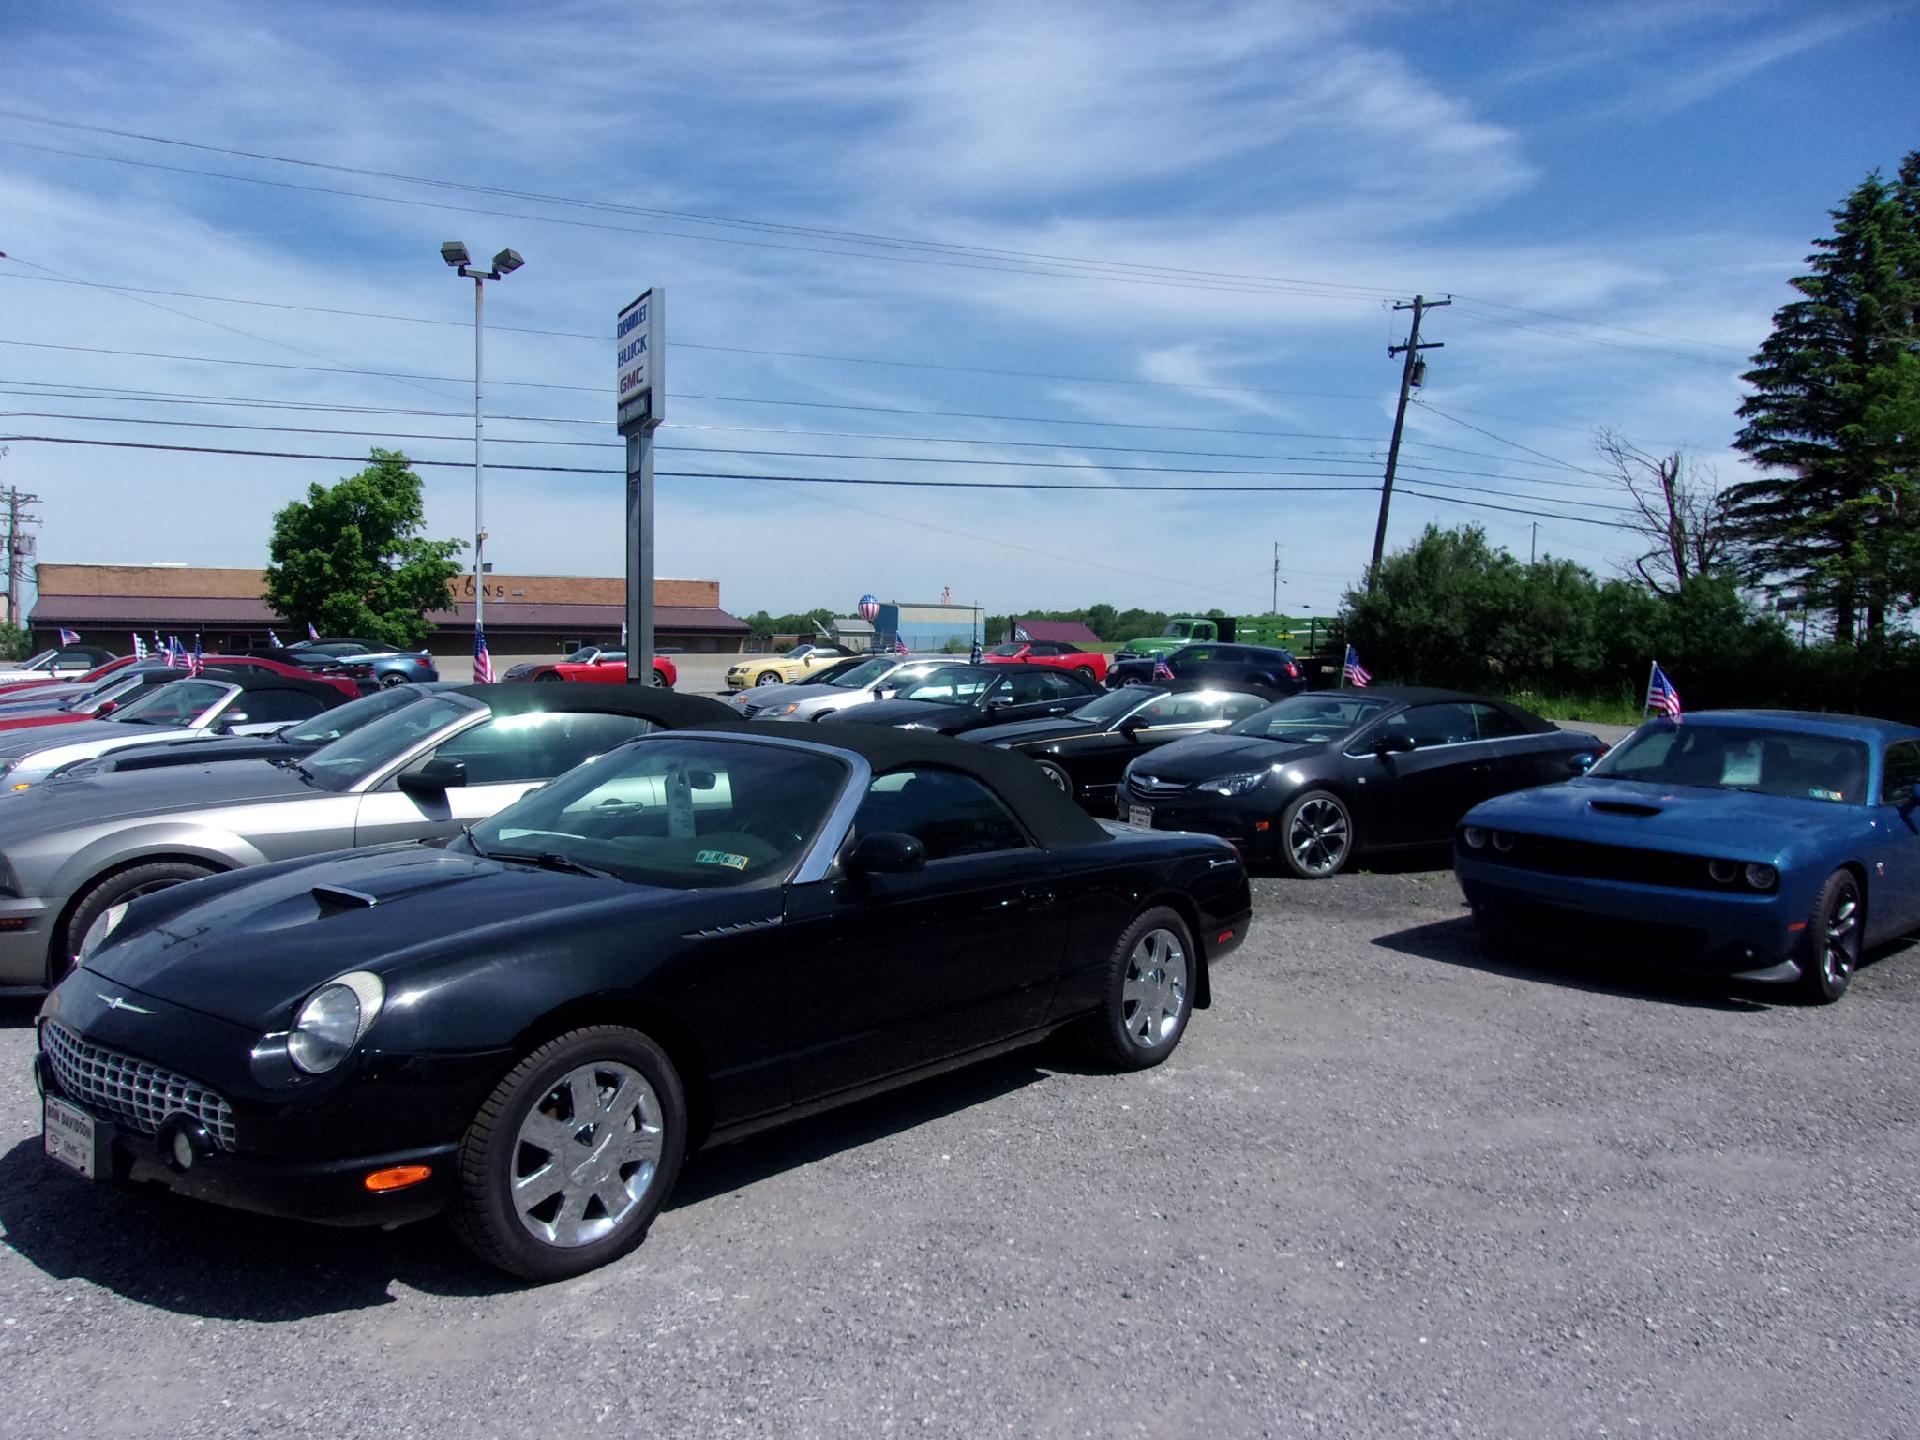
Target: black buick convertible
697	934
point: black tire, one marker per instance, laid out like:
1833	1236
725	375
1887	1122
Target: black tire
1085	672
391	679
1324	851
110	890
1056	773
1115	1035
552	675
767	677
660	681
1833	937
483	1212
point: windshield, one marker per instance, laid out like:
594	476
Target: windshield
588	654
330	725
1787	763
856	677
1115	705
1008	651
112	689
949	685
34	662
685	814
359	753
178	702
1310	719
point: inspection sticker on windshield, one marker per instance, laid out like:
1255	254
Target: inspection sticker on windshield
721	857
1819	794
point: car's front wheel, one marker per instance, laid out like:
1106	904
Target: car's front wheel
551	675
1316	835
572	1155
112	890
1149	993
767	677
1833	936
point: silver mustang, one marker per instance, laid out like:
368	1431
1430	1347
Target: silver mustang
72	850
870	680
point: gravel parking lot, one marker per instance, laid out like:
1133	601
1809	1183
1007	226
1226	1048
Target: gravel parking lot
1386	1187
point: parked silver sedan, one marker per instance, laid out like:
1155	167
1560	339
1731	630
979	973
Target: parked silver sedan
870	680
72	850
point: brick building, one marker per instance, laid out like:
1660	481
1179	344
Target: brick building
528	616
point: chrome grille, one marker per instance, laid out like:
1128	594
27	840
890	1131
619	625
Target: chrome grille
134	1092
1151	785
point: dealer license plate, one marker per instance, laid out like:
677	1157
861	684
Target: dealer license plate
71	1136
1140	816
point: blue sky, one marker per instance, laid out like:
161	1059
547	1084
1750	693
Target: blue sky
1615	195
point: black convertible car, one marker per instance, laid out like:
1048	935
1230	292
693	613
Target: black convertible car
965	697
1317	778
695	935
1084	752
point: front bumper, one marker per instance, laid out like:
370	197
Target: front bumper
1739	936
1248	822
299	1150
25	933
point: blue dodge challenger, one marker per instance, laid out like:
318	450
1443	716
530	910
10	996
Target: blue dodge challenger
1759	845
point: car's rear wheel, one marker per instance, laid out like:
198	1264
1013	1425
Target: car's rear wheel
660	681
1316	835
390	679
1062	781
572	1155
1149	993
767	677
1833	937
112	890
1085	672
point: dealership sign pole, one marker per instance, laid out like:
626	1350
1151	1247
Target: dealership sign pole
640	337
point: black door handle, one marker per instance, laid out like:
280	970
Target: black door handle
1038	895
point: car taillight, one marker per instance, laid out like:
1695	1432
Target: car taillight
1293	671
425	662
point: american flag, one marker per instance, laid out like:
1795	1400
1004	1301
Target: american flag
900	646
69	637
1354	673
194	660
176	653
273	640
482	661
1661	695
312	634
1162	670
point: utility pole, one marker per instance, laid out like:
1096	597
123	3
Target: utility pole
19	545
1533	545
1419	306
1276	578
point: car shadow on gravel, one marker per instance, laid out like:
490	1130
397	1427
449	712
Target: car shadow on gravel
159	1249
18	1013
156	1248
1459	942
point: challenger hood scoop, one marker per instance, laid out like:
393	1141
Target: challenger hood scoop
1623	807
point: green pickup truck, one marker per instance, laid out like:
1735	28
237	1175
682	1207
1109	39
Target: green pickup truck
1302	635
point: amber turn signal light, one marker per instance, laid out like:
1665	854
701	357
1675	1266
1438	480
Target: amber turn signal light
397	1177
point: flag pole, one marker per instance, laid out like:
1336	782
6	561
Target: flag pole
1647	703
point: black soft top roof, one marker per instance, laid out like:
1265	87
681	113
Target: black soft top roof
665	708
1049	816
253	677
1429	695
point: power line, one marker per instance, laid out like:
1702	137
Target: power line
863	481
1598	324
1480	430
598	338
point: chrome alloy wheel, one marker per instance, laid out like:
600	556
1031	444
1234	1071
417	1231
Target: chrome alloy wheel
1153	997
586	1154
1840	946
1318	837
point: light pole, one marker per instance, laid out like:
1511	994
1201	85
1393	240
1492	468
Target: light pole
454	252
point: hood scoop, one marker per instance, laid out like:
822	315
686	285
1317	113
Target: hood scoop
338	897
1623	807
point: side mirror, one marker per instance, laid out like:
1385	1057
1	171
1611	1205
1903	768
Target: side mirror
1581	763
107	707
886	852
226	723
999	702
1393	745
1132	726
434	777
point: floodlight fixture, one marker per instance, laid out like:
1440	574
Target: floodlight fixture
454	252
507	261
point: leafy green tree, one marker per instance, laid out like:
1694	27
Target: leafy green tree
1830	418
351	561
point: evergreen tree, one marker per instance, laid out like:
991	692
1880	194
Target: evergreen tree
350	561
1828	417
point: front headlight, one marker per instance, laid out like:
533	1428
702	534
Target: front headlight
103	926
1238	784
1761	877
332	1021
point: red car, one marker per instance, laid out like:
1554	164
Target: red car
26	719
590	662
1091	664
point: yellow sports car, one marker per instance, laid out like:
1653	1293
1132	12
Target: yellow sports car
807	658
